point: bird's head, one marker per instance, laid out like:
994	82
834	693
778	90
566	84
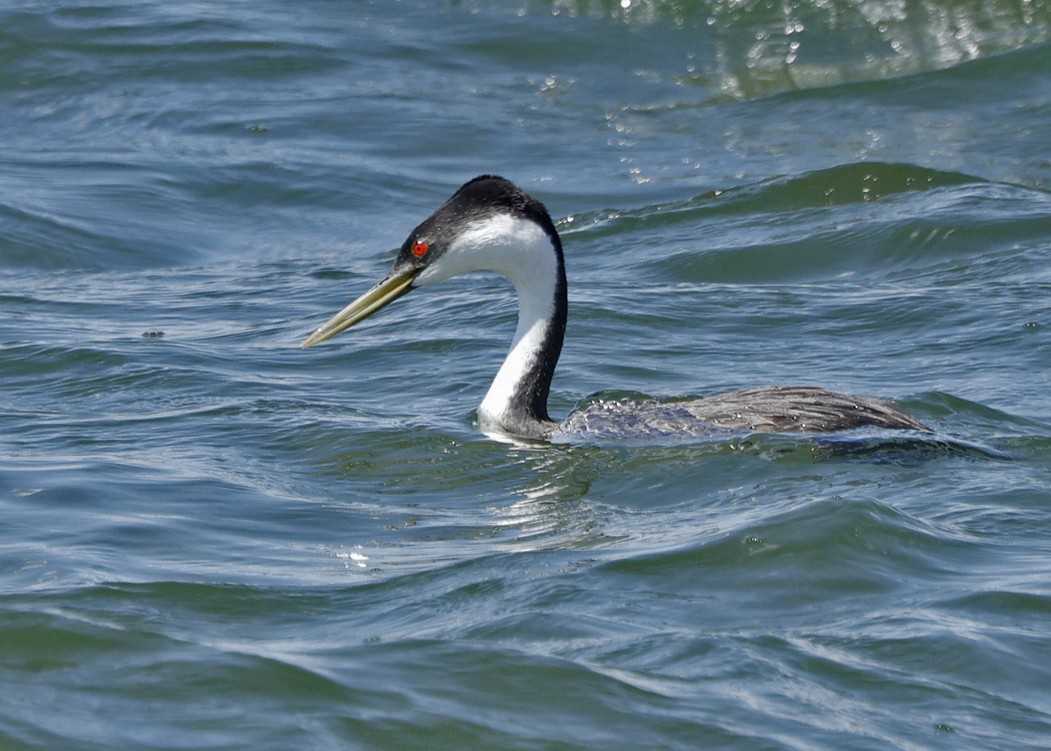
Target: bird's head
489	224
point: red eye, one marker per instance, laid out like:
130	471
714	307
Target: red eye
419	249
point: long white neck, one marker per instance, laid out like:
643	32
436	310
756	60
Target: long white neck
531	259
512	387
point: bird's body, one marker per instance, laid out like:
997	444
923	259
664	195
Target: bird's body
490	224
778	409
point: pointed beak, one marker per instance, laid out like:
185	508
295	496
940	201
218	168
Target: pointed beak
393	286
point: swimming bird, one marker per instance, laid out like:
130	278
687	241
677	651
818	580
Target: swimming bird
490	224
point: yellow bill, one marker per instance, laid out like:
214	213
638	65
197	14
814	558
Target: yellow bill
393	286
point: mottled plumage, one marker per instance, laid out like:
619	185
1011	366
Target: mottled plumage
779	409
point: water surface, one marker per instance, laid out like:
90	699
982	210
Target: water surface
214	539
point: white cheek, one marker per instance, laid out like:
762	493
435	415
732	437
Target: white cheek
453	262
504	244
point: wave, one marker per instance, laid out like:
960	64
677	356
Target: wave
834	186
758	48
822	44
44	240
846	220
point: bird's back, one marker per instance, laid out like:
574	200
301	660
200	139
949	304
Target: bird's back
783	409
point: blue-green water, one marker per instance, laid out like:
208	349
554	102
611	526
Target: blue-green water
213	539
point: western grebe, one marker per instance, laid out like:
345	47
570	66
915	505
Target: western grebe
490	224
